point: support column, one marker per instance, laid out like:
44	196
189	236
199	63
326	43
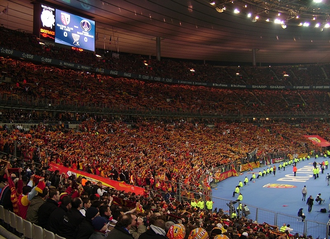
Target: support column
254	53
158	48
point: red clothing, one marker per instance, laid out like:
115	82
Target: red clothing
23	205
15	193
294	169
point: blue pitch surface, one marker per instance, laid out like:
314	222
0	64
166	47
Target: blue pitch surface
281	200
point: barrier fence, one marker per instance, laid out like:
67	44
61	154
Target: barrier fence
308	227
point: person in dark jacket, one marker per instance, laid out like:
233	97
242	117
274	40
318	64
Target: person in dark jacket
155	231
121	230
55	179
301	214
75	217
58	220
86	229
5	198
88	188
310	202
48	207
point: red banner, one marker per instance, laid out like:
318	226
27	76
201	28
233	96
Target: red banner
120	186
317	140
225	175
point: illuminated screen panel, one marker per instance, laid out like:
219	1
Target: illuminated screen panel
47	23
75	31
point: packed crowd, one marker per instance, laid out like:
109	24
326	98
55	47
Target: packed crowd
175	150
55	88
305	75
72	207
156	154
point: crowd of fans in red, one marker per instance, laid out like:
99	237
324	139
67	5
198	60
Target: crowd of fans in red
156	154
149	152
39	84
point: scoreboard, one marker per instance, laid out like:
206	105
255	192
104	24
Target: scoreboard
62	27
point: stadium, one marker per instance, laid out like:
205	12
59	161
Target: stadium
172	119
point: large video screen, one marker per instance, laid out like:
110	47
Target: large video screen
73	30
64	28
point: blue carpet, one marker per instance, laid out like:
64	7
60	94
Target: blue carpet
284	201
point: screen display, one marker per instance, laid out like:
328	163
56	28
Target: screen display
64	28
73	30
47	28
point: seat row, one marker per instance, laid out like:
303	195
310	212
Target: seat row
24	228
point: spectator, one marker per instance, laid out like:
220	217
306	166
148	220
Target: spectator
100	225
156	230
20	201
46	209
99	190
105	212
86	204
59	221
36	202
138	228
121	230
86	229
55	179
88	188
74	216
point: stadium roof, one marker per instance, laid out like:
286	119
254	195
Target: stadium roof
199	29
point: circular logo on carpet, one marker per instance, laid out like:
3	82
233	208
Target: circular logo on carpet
276	185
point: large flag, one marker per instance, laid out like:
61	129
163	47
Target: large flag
318	140
120	186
